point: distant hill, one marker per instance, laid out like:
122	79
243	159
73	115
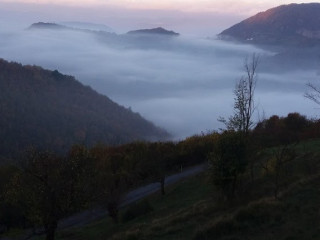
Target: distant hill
53	111
73	26
293	24
159	31
43	25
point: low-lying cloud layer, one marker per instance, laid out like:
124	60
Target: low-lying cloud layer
180	84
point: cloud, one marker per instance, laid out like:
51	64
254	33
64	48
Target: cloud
182	84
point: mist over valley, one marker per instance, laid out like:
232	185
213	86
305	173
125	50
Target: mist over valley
180	83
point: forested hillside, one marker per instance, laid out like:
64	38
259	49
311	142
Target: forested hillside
48	110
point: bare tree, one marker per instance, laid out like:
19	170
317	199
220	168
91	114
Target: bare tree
314	93
244	105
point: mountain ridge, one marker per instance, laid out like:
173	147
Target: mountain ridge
292	24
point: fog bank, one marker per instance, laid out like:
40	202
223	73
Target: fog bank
182	84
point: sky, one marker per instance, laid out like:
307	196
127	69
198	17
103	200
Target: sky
191	17
184	5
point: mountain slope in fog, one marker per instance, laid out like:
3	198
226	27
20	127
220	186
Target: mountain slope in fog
156	38
293	24
49	110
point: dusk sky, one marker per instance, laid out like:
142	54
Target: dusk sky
195	17
185	5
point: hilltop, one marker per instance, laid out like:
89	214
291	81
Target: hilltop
44	25
159	31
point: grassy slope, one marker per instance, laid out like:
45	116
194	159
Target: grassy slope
191	209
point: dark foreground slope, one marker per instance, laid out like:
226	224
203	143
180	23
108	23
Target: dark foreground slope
53	111
294	24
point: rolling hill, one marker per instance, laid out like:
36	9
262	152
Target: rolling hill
49	110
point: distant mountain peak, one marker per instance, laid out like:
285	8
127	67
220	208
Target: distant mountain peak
158	30
293	24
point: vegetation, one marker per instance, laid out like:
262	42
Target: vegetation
50	187
192	209
46	187
228	160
